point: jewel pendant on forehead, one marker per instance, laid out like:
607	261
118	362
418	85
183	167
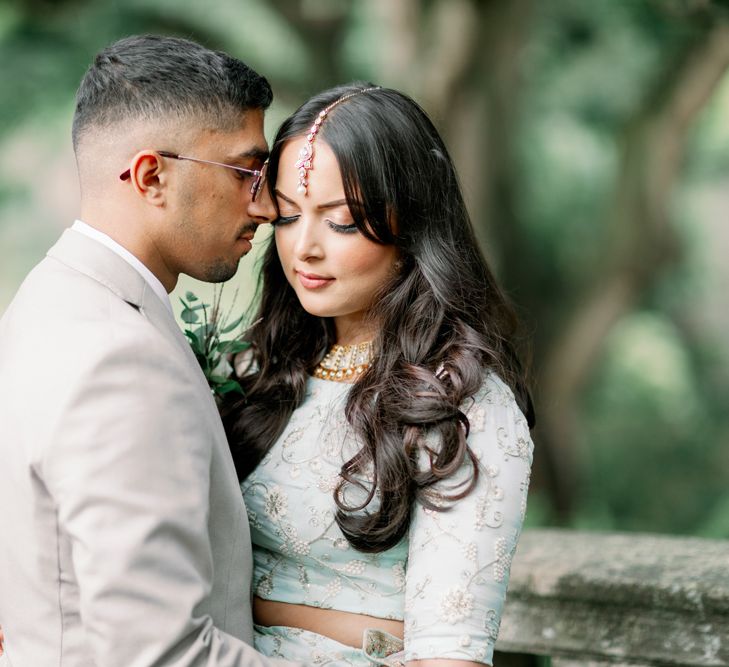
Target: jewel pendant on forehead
303	164
306	154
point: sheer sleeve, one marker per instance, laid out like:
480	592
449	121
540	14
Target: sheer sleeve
459	559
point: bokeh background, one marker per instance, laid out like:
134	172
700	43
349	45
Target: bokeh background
592	140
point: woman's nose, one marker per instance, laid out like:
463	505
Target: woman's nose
307	244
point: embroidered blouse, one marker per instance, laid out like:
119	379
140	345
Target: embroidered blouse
446	579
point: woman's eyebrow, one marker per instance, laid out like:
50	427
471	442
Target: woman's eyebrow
280	194
333	204
327	205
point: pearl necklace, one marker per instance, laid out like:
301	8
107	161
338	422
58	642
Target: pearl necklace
344	363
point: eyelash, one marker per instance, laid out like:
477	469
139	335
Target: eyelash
341	229
284	220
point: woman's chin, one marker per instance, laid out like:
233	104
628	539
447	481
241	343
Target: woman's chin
318	310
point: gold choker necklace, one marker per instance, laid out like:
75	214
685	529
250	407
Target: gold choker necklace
344	363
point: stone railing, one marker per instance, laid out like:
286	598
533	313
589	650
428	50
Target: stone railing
594	599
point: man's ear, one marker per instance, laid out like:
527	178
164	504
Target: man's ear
149	177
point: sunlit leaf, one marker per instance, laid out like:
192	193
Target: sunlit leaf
229	387
233	346
194	343
189	316
233	325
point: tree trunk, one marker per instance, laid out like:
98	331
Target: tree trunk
642	242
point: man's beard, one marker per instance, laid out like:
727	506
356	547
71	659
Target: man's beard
219	271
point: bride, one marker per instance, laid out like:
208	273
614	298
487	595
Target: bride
383	443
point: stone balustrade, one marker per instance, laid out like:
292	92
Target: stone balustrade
595	599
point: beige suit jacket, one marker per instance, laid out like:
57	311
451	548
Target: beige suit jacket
123	534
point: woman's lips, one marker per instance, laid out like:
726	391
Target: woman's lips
313	281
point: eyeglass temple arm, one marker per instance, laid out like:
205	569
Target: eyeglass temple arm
126	175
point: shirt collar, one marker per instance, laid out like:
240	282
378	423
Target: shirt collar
154	282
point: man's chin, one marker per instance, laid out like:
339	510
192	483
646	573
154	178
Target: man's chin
219	272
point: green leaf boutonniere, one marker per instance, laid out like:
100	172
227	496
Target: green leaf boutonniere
205	329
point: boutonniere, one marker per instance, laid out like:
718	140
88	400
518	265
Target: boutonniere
207	328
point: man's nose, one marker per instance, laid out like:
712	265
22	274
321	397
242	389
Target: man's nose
263	209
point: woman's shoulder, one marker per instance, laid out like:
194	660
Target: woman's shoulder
494	410
494	394
495	391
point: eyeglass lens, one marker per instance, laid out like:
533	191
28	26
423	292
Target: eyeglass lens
258	182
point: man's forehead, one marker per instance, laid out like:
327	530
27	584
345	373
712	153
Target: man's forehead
244	141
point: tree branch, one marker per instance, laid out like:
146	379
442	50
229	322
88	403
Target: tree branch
643	240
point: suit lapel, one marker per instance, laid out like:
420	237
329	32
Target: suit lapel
95	260
159	315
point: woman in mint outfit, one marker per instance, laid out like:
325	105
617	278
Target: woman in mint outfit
383	445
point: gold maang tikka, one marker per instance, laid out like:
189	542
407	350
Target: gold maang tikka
306	154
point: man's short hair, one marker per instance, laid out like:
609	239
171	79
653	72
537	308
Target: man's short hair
148	77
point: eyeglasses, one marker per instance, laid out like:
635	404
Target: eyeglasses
259	175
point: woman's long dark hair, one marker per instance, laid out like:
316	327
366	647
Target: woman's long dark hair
442	319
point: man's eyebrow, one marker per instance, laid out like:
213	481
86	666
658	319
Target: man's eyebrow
255	153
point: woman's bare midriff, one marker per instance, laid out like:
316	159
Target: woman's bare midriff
342	626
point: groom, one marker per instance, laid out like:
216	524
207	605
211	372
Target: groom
123	535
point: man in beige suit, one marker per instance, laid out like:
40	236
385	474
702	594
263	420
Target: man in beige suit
124	539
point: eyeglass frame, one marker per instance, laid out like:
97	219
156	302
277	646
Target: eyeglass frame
258	174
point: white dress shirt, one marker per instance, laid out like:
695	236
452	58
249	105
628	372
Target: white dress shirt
152	280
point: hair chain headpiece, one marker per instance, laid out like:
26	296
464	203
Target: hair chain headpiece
306	154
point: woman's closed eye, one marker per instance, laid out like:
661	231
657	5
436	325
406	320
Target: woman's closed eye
337	227
342	229
284	220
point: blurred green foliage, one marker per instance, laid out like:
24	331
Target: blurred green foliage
652	432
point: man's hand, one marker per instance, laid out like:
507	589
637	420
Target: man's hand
2	639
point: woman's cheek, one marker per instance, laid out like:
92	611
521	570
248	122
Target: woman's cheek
363	257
